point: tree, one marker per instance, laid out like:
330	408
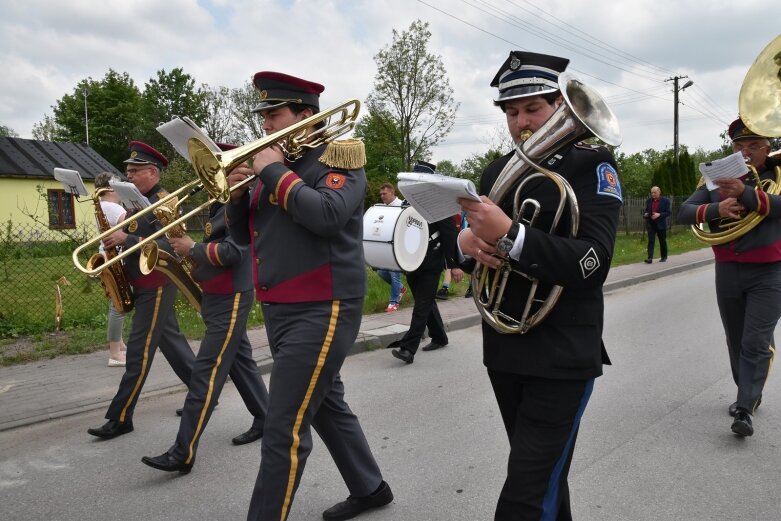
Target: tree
382	161
114	114
411	99
7	132
165	97
46	130
245	99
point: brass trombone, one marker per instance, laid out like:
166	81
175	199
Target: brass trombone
212	169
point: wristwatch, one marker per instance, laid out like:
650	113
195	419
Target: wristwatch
505	244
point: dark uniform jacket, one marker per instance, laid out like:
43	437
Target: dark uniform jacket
306	229
441	246
137	230
763	243
568	343
664	212
220	265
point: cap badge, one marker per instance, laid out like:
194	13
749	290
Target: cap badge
133	154
515	64
263	94
207	229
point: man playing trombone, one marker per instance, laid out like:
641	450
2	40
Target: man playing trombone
154	321
304	220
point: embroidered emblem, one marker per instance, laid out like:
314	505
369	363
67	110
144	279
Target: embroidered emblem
133	154
208	229
607	181
515	64
273	199
263	94
133	226
589	263
335	181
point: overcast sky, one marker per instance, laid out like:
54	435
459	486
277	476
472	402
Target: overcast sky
626	50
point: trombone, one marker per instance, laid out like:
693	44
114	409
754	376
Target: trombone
212	169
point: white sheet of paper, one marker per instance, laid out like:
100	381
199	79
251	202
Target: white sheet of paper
71	180
730	167
129	194
435	196
179	131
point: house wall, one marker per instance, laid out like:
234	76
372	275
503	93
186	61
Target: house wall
19	197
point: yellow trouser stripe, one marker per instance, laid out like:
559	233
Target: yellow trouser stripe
302	409
145	360
228	336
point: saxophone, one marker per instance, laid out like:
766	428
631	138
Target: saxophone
113	278
177	270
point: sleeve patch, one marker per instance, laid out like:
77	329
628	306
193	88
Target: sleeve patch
607	181
335	181
589	263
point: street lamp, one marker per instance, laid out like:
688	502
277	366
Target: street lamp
676	90
86	118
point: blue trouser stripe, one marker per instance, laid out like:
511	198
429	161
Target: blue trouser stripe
551	500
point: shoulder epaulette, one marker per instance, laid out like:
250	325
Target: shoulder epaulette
349	154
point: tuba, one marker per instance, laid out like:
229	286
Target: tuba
760	109
113	278
583	114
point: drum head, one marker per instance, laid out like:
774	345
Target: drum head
395	238
410	239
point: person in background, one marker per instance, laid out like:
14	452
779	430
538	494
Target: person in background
115	213
748	270
423	283
657	210
542	379
397	289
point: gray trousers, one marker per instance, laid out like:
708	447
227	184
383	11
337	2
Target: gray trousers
154	324
225	350
749	298
309	342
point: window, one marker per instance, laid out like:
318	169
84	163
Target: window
60	209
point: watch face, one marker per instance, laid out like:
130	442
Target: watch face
504	245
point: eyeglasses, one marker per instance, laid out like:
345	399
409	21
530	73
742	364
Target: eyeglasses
134	171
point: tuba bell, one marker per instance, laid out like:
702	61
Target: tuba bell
583	114
759	104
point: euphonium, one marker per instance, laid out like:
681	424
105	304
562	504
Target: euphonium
760	109
113	278
152	258
583	114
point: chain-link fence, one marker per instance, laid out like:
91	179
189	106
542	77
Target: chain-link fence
40	289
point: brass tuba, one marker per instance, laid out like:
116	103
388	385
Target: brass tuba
113	278
583	114
760	109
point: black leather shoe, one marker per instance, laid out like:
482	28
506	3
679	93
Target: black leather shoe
648	261
355	505
251	435
111	429
432	346
403	354
663	259
742	424
734	407
167	463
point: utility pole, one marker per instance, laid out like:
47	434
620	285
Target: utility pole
86	118
676	90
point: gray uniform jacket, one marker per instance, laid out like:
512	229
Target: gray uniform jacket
304	222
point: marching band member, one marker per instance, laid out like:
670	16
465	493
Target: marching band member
303	220
154	321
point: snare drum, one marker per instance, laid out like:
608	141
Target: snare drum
395	238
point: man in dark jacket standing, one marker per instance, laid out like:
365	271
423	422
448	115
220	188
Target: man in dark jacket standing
543	379
657	210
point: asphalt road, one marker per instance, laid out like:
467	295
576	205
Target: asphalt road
655	443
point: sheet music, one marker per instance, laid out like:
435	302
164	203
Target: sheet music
179	131
71	180
129	194
435	196
730	167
